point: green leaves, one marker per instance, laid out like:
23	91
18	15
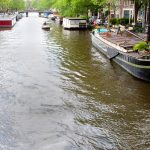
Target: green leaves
12	4
73	7
17	4
141	46
70	7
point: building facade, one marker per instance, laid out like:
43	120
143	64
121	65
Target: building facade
123	9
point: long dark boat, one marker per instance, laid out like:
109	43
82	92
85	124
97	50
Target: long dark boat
119	49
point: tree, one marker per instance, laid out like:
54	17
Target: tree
5	5
12	5
148	33
42	4
17	4
137	5
69	7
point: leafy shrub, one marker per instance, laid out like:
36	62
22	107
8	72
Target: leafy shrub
113	21
123	21
139	29
83	17
141	46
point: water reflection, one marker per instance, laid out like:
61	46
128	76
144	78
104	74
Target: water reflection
104	98
59	92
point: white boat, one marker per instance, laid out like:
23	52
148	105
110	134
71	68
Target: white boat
74	23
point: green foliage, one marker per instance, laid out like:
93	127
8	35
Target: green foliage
69	7
141	46
12	5
17	4
42	4
83	17
5	4
138	29
123	21
114	21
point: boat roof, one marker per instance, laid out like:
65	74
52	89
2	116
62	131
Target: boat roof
75	18
5	17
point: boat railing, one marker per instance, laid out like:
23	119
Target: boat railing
128	31
135	35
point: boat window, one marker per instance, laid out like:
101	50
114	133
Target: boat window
77	22
83	21
74	22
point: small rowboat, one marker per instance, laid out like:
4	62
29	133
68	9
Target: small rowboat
45	26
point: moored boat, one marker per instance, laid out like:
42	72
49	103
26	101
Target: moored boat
74	23
119	49
7	21
46	26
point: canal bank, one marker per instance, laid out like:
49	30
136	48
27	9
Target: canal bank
58	92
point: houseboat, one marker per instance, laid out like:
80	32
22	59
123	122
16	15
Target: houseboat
118	48
7	21
74	23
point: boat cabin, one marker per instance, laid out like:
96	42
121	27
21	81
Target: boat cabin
74	23
7	21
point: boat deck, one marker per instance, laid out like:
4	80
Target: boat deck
125	40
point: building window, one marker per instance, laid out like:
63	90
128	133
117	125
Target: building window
126	2
126	13
132	1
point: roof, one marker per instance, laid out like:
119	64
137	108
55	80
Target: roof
75	18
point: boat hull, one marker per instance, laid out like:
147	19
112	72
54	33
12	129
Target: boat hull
46	27
7	22
139	68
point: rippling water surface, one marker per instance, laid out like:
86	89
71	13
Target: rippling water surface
57	92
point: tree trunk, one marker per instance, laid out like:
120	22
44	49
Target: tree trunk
137	6
145	15
87	13
114	12
136	12
108	25
148	33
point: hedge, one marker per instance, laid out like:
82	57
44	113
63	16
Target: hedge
123	21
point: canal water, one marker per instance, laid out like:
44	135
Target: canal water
57	92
